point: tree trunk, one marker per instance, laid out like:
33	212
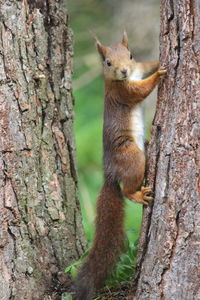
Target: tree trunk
40	224
168	259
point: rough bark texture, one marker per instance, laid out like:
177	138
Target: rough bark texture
40	225
168	260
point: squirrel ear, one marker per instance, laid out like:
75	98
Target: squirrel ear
101	49
125	39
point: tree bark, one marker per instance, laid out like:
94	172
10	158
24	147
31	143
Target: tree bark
168	257
40	223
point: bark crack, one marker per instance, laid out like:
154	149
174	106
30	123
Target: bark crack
170	258
48	25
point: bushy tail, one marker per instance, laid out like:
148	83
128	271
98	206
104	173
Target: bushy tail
108	242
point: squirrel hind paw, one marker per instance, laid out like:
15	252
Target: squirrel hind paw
141	196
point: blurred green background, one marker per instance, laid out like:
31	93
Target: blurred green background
107	20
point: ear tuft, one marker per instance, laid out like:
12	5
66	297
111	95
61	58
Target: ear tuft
101	49
125	39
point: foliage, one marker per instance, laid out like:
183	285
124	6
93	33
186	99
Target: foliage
125	267
66	296
122	272
73	268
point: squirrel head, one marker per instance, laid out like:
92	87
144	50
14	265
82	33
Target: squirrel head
117	60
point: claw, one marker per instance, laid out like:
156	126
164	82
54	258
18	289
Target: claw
162	71
148	198
145	189
145	203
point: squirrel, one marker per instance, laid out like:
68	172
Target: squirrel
127	84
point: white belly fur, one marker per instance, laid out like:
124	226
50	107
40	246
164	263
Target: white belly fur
136	75
137	126
137	119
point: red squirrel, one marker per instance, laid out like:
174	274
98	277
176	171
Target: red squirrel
127	84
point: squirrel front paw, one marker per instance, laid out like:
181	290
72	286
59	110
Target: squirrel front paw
161	72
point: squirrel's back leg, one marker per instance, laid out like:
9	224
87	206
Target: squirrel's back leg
132	178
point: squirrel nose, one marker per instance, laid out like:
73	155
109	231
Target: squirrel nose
124	72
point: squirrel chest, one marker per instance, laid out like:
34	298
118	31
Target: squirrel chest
123	125
137	126
137	118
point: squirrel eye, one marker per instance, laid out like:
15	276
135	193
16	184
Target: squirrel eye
108	63
131	56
